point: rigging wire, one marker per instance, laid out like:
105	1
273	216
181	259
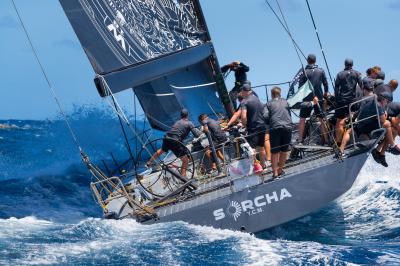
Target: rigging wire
128	146
121	114
73	135
285	28
320	43
290	34
135	123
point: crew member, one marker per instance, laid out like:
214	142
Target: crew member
369	80
393	112
173	139
240	70
390	87
217	135
317	78
393	84
368	123
236	115
345	93
278	114
252	118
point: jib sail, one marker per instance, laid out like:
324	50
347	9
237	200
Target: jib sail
159	48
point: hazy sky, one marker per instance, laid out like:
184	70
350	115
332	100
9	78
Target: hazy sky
365	30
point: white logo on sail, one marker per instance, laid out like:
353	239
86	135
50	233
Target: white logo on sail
115	29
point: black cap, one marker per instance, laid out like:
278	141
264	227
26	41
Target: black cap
312	58
381	75
348	62
245	87
387	95
184	113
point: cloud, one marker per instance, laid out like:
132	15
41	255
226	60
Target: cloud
394	4
67	43
8	22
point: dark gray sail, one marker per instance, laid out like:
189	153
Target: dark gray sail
153	47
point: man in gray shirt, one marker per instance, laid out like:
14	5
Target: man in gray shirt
173	139
252	118
218	137
277	112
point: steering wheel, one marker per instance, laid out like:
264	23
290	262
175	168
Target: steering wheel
161	180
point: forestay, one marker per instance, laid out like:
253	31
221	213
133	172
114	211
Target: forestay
153	47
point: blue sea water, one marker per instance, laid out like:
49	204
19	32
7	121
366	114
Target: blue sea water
48	216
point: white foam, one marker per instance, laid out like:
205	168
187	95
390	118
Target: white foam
256	251
367	208
14	227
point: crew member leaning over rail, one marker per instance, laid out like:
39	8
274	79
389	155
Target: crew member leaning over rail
390	87
367	121
345	93
277	113
393	113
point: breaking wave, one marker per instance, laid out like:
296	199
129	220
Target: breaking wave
48	216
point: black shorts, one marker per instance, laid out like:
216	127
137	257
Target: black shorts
280	139
366	127
219	143
306	109
256	138
342	110
175	146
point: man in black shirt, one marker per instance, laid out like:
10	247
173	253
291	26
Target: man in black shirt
369	122
317	78
345	93
217	136
390	87
277	113
369	80
173	139
393	112
252	118
240	70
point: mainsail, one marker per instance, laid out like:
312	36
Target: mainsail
154	47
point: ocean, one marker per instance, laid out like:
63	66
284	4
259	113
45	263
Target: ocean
48	215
